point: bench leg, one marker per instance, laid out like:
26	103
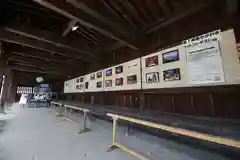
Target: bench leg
113	146
85	129
60	114
129	130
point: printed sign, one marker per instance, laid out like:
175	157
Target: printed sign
204	62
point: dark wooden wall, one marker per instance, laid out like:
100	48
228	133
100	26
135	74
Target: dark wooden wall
218	101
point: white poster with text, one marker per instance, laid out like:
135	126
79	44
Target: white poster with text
204	62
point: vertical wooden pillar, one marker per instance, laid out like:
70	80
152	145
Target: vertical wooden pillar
210	95
6	86
130	101
124	101
142	101
192	103
173	104
92	99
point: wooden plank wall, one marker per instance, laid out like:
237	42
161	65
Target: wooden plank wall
220	102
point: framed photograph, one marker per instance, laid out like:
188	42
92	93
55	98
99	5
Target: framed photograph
92	77
152	77
86	85
79	86
171	56
109	72
99	74
151	61
132	79
108	83
81	79
172	75
119	81
118	69
99	84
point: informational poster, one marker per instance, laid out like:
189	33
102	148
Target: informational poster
204	62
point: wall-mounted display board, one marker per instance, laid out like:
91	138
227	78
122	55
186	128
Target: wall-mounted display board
163	69
231	65
79	84
94	82
125	76
208	59
69	86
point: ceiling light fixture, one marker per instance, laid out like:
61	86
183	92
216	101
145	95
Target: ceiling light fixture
74	28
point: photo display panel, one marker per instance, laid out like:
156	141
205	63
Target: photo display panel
125	76
164	69
94	81
69	86
79	84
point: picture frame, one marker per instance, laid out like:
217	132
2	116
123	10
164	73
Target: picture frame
86	85
118	69
108	83
92	77
170	56
99	74
108	72
81	79
119	81
99	84
172	75
151	61
132	79
152	77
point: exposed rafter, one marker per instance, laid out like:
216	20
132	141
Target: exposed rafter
43	64
69	27
40	45
92	20
50	38
40	71
177	16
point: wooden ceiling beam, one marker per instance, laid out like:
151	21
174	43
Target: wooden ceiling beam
41	55
68	29
39	71
93	20
50	38
40	45
178	16
36	62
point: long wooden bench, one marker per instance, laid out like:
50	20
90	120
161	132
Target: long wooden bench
211	130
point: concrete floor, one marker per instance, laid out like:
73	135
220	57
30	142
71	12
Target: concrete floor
37	134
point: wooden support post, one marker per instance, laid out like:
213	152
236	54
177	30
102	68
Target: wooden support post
210	95
85	129
130	101
142	101
192	103
114	130
93	99
83	98
124	101
173	104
